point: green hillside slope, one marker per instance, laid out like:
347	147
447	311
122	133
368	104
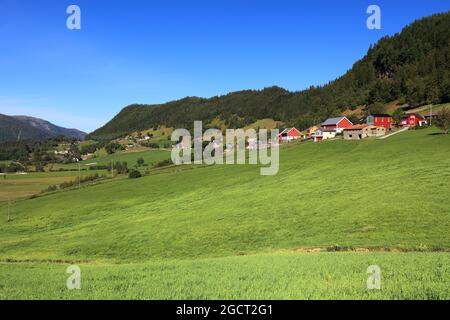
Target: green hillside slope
411	67
372	193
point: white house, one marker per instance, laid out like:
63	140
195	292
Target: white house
323	134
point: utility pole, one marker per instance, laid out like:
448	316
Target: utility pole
79	172
431	114
9	210
79	175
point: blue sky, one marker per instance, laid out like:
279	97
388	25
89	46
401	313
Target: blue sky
155	51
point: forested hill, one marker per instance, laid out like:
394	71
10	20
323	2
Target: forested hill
412	66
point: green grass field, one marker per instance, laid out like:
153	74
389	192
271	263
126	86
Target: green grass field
227	232
274	276
150	157
17	186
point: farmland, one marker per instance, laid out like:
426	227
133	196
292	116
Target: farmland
270	276
150	157
227	232
16	186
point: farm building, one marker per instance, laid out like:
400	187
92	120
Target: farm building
413	120
380	120
362	131
290	134
429	117
338	124
324	134
311	131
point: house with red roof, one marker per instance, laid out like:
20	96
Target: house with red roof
338	124
413	120
290	134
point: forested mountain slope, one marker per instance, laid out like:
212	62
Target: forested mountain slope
412	67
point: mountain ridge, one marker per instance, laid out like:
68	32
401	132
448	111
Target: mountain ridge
16	128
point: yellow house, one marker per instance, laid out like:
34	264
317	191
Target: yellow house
311	131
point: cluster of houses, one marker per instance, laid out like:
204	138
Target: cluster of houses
375	125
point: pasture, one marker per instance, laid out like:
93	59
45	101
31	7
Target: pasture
18	186
150	157
227	232
274	276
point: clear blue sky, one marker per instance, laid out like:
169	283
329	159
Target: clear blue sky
156	51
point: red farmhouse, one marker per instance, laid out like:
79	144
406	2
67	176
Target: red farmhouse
380	120
289	134
413	120
338	124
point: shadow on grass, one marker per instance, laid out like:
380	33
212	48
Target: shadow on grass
437	133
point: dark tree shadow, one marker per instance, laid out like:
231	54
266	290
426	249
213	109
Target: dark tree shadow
437	133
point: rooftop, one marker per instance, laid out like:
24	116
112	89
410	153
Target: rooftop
357	127
381	115
332	121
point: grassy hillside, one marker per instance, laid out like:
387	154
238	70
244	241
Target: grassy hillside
377	194
426	109
372	193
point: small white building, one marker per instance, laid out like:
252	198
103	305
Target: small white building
324	134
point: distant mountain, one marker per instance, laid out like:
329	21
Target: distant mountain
15	128
411	67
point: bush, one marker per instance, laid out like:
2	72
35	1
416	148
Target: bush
50	189
120	167
112	147
140	161
152	145
99	167
443	120
163	163
134	174
13	168
69	184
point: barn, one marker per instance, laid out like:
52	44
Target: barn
413	120
338	124
290	134
380	120
362	131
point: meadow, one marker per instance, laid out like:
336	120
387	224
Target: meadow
19	186
274	276
171	234
150	157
